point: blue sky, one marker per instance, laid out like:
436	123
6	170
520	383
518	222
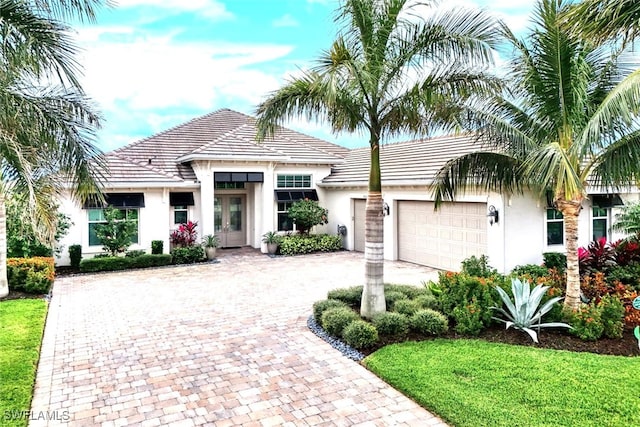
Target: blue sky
152	64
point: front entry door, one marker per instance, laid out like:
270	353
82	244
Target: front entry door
229	220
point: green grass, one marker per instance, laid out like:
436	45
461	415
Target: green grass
21	327
477	383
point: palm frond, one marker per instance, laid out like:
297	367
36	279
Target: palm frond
617	165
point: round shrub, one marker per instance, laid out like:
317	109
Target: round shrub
427	301
351	296
392	324
320	307
360	334
429	322
410	291
391	297
406	306
334	320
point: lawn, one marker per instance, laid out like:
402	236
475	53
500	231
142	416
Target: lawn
477	383
21	327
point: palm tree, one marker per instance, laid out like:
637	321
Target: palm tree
47	125
396	67
568	122
607	19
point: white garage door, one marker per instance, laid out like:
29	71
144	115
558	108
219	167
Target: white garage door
358	226
442	238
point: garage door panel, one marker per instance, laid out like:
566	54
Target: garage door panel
442	238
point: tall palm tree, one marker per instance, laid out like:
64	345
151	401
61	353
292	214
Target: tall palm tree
607	19
47	125
395	67
568	121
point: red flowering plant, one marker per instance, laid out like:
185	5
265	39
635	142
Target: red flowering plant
626	251
186	235
598	256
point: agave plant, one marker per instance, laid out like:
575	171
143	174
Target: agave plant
524	313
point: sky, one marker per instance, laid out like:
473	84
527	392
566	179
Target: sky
149	65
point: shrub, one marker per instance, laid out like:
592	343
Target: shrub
427	301
429	322
410	291
391	324
187	255
334	320
134	254
627	274
360	334
612	316
306	214
626	251
320	307
304	244
468	319
32	275
351	296
123	263
116	233
391	297
185	236
555	260
478	267
75	255
598	256
406	306
586	322
530	271
157	247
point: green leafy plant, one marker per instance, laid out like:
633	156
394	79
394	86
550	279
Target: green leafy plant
531	271
478	267
307	214
350	296
360	334
187	254
320	307
32	275
392	296
429	322
271	238
334	320
124	263
75	255
612	316
524	312
134	254
303	244
116	233
391	324
469	319
210	241
427	301
406	306
586	322
555	260
410	291
628	219
157	247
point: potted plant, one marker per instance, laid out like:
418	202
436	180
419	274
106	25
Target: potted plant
272	239
210	243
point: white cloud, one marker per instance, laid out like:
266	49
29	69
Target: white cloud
210	8
286	21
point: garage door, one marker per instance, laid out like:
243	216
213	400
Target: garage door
443	238
358	226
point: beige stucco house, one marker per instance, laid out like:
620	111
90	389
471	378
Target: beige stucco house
211	170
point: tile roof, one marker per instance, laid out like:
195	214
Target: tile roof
223	134
415	161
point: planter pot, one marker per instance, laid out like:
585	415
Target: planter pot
210	252
272	248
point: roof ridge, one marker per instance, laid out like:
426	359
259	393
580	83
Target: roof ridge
311	147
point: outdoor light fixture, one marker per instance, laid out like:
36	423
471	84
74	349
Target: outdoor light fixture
493	215
386	209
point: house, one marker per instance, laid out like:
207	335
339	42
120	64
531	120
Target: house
212	171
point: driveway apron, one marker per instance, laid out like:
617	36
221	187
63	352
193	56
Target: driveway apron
222	344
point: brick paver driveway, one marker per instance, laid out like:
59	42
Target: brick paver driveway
217	344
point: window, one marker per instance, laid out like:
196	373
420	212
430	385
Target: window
294	181
180	214
96	216
555	227
600	217
229	185
284	222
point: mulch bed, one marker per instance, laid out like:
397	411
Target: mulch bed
552	339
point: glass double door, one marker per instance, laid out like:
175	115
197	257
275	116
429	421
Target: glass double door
229	220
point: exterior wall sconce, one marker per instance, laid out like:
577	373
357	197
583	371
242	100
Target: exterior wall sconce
386	210
493	215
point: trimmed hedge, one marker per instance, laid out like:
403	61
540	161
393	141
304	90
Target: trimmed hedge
32	275
320	307
124	263
391	324
188	255
360	334
351	296
429	322
75	255
304	244
334	320
157	247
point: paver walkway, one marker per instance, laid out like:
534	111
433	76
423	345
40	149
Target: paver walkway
213	344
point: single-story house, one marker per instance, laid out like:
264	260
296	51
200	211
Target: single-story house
211	170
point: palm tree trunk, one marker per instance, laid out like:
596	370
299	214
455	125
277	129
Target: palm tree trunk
570	211
4	283
373	301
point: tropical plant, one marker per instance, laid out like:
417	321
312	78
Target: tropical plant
271	238
607	19
569	120
597	256
307	214
116	233
524	312
396	67
185	236
47	125
628	219
210	241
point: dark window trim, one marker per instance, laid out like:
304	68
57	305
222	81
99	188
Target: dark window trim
117	200
295	195
181	199
238	177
